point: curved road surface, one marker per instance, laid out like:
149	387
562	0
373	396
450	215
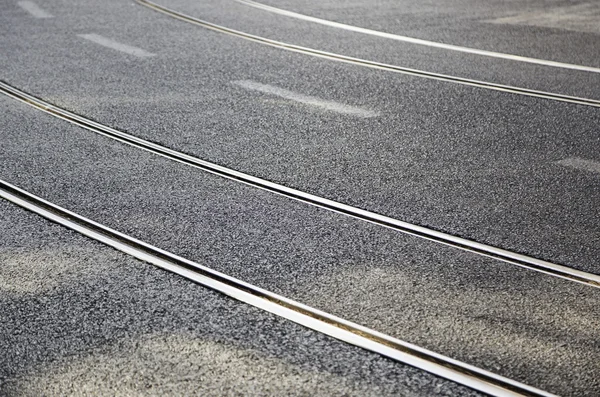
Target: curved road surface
267	142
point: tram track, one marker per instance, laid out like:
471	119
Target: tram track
323	322
413	40
320	321
370	64
485	250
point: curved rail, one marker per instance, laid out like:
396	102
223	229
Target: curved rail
413	40
372	64
368	216
465	374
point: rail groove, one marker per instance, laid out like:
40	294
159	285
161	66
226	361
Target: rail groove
465	374
413	40
372	64
368	216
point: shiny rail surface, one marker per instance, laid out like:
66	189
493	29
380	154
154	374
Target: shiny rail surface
413	40
372	64
368	216
465	374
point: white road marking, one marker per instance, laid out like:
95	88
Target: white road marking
428	43
581	164
305	99
103	41
582	17
34	9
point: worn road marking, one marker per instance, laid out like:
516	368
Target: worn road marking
435	44
103	41
457	242
581	164
34	9
305	99
582	17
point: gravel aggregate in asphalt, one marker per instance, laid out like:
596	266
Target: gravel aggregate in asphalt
82	319
473	24
308	34
522	324
475	163
79	318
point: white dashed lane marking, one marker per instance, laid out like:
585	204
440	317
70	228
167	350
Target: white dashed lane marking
306	100
34	10
581	164
583	17
103	41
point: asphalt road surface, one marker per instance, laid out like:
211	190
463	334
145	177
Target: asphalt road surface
463	144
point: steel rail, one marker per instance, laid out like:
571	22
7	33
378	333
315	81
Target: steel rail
320	321
368	216
413	40
372	64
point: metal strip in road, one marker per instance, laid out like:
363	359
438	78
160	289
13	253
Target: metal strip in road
372	64
414	40
307	316
368	216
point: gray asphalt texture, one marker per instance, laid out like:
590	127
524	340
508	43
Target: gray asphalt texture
469	23
79	318
468	161
493	315
444	22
